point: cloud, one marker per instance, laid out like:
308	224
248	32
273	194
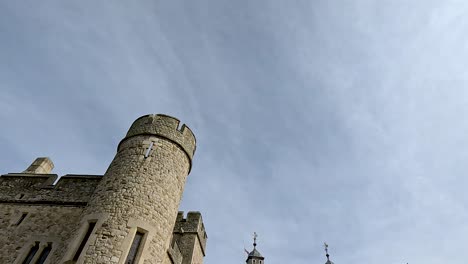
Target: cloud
315	120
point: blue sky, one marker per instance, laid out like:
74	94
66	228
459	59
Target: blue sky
337	121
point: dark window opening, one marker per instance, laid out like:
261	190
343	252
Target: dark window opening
20	220
91	226
44	254
132	254
31	253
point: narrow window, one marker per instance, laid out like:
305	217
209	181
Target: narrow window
148	151
91	226
132	254
20	220
44	254
31	253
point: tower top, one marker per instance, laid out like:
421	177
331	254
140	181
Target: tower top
328	256
166	127
254	254
255	239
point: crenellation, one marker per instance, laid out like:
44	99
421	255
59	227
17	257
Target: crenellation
19	186
190	235
166	127
40	188
192	223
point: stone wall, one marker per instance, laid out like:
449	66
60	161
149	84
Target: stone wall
174	255
43	223
39	188
141	191
52	211
190	236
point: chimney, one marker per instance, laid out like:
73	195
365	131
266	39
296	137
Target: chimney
41	165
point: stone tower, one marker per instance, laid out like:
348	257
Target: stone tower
189	238
131	215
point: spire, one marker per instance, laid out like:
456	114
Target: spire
328	255
255	257
255	239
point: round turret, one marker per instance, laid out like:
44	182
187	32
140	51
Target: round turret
133	209
166	127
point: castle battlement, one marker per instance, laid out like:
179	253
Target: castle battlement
166	127
26	188
126	215
192	224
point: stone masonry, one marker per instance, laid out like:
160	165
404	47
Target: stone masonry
128	215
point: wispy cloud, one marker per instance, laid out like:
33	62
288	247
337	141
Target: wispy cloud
337	121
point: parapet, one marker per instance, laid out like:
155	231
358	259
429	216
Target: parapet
28	188
166	127
193	224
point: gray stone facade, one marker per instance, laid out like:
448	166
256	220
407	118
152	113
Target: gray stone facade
128	215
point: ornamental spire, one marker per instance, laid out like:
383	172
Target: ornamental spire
255	239
326	252
254	257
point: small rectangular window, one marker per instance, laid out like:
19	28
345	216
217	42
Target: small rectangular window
44	254
136	244
20	220
89	231
32	252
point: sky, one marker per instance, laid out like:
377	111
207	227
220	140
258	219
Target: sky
316	121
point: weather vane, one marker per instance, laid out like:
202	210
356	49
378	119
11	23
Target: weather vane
326	250
255	239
